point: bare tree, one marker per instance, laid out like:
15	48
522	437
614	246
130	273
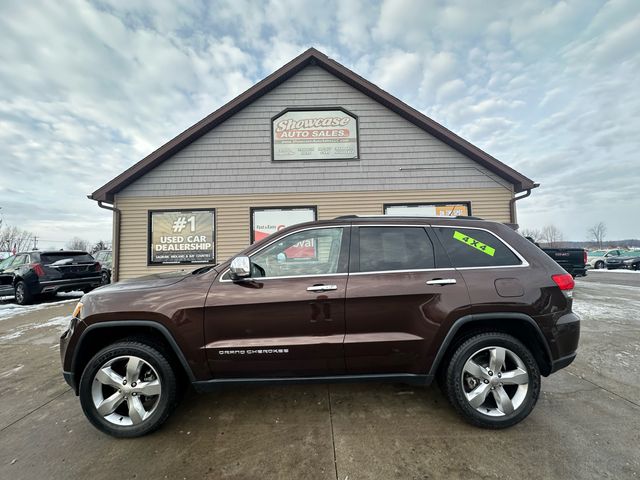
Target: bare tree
551	235
15	238
534	233
597	233
77	243
100	245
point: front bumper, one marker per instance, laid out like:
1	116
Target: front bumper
65	338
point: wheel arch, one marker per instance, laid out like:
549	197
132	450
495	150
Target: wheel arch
100	335
519	325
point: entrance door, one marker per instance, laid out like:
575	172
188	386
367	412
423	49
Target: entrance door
289	318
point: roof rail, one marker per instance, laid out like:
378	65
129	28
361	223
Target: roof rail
457	217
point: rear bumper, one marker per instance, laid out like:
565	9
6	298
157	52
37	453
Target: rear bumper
565	339
560	363
66	285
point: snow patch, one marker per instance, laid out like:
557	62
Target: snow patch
60	322
8	310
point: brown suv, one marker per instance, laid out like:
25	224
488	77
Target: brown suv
462	300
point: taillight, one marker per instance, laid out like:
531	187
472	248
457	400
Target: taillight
37	267
97	267
584	256
565	283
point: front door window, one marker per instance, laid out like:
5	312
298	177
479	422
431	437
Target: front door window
305	253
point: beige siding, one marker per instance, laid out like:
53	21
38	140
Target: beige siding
232	214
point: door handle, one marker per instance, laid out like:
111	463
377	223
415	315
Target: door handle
442	281
321	288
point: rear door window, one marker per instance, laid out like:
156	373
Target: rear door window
475	248
49	258
395	248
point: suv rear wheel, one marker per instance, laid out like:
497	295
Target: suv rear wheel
493	380
22	293
128	389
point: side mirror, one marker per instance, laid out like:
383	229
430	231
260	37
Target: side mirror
240	268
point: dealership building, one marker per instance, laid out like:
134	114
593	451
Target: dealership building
313	140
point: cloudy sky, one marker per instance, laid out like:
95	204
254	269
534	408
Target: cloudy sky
550	88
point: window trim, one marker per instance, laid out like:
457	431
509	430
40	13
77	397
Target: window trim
524	263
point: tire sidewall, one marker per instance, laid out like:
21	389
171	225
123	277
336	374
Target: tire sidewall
25	297
167	397
456	392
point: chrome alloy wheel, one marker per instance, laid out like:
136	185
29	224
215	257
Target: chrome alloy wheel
126	390
495	381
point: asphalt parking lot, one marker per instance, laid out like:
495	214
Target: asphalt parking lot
586	423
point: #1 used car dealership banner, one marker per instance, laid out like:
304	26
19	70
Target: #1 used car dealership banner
182	237
267	221
315	135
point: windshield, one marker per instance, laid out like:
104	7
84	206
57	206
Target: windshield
596	253
6	262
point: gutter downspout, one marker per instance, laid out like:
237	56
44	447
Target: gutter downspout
115	269
512	203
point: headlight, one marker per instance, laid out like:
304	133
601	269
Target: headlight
77	312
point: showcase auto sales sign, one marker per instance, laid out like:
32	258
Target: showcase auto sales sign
315	135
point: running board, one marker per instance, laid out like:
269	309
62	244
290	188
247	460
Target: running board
218	383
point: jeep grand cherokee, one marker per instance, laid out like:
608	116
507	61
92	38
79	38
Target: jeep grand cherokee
468	302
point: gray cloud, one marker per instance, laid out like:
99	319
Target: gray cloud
89	88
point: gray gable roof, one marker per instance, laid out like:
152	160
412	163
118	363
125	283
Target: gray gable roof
310	57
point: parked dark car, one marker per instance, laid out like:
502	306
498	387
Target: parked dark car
465	301
27	275
626	259
573	260
105	257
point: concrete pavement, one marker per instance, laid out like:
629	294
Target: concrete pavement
586	423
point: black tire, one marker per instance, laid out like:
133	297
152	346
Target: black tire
106	278
165	374
23	294
599	265
455	389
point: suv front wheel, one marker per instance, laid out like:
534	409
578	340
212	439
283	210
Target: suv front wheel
493	380
128	389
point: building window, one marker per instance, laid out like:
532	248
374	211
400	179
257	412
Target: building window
448	209
181	236
267	220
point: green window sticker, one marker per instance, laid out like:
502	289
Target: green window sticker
472	242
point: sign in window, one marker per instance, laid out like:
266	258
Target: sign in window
181	236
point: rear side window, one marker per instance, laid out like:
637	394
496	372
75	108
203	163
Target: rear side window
49	258
475	248
394	248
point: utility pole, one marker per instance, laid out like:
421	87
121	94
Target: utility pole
35	242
